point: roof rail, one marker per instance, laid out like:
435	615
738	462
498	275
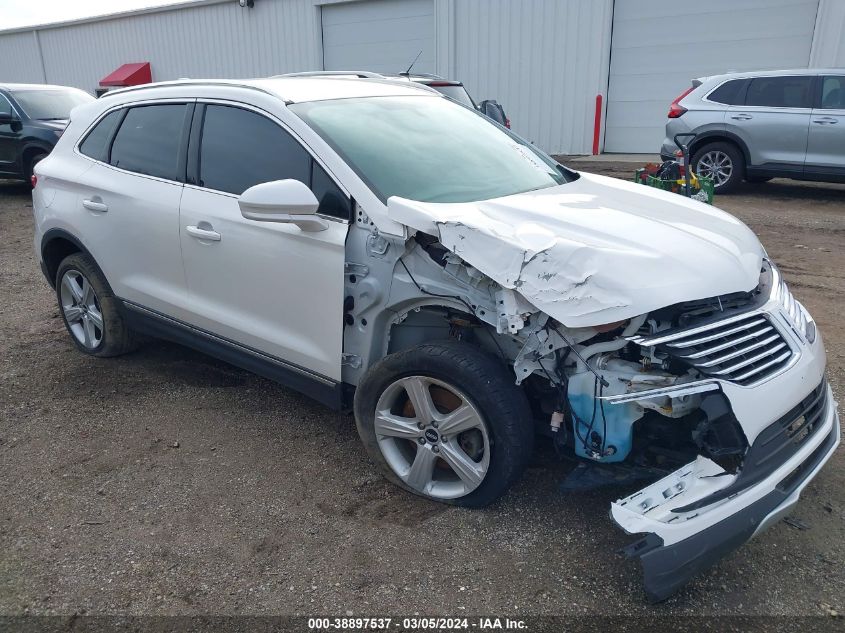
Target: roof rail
183	82
361	74
423	75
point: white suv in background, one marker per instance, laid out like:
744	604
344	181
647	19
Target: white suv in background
384	249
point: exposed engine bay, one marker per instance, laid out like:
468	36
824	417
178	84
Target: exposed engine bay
604	396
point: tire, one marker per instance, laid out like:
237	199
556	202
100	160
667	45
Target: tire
30	166
90	310
725	157
492	423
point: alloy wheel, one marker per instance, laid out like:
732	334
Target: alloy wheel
81	309
715	165
432	437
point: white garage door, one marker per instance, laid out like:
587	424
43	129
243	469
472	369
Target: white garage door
658	47
379	35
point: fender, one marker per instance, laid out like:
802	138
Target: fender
52	235
719	135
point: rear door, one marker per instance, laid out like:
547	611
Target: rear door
128	202
826	145
271	288
774	121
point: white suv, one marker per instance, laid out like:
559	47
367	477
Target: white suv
385	249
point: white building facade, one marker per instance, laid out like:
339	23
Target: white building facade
546	61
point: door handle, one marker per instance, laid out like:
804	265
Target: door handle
203	233
741	117
826	120
95	204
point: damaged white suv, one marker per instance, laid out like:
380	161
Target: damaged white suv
382	248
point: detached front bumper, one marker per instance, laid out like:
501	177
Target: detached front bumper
667	567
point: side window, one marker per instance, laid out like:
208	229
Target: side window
148	140
332	200
780	92
96	144
833	93
729	93
240	149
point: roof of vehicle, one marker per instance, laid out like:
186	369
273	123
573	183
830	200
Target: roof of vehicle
306	87
424	78
775	73
14	87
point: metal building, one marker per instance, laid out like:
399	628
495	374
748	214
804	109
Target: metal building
546	61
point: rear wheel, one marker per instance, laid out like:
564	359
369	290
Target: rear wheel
89	308
722	163
445	421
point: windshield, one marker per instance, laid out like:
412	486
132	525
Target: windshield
45	105
429	149
458	93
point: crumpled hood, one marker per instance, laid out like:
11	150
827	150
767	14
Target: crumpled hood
596	250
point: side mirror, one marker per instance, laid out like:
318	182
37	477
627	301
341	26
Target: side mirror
7	118
284	201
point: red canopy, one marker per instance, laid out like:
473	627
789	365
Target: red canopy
129	75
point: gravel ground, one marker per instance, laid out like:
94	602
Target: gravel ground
165	482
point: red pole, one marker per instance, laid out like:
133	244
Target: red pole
597	126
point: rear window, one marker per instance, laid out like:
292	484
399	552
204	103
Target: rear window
148	140
729	93
779	92
96	143
458	93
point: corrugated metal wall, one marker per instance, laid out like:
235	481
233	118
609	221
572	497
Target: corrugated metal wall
19	58
829	42
211	40
543	60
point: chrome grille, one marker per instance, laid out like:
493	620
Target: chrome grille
743	349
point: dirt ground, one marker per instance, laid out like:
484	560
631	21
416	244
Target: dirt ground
165	482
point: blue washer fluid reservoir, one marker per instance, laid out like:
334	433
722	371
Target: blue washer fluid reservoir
606	439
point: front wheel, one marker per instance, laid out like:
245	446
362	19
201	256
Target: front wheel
445	421
722	163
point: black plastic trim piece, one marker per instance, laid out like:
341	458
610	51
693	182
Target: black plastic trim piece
153	323
667	568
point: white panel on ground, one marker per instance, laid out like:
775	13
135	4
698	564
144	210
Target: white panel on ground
657	48
379	35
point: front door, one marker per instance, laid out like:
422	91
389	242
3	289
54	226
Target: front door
774	121
271	288
826	147
9	140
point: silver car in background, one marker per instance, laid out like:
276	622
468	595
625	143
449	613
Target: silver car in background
760	125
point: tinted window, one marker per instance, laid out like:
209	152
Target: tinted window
779	92
458	93
148	140
46	105
240	149
95	144
833	93
729	93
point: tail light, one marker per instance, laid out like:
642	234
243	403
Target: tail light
33	179
676	110
507	123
